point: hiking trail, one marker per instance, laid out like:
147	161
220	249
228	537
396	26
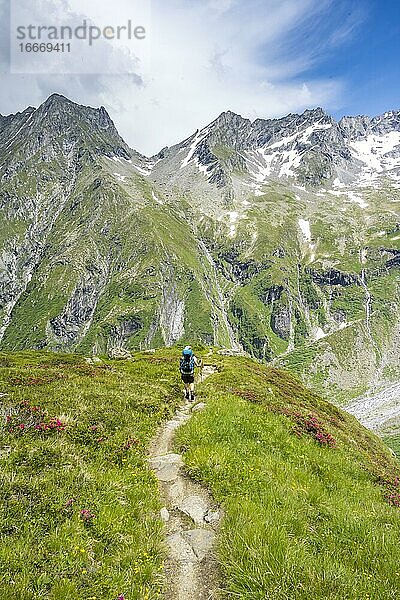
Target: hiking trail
190	515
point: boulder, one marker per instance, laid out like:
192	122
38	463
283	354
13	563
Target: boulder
119	354
232	352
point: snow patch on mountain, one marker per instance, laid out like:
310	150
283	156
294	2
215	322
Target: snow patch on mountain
305	229
156	198
319	334
373	150
290	160
120	177
199	136
263	163
284	141
203	168
301	136
380	154
142	171
338	184
233	218
267	162
353	197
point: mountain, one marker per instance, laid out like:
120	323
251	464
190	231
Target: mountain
312	148
279	237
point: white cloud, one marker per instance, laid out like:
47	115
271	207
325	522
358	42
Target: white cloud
249	56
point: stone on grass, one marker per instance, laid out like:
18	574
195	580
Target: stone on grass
212	516
119	354
200	540
164	514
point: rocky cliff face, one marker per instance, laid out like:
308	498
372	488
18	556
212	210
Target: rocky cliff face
278	236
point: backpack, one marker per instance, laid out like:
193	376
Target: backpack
187	364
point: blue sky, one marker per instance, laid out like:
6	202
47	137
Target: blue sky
369	62
259	58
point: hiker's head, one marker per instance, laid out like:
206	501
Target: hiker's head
187	351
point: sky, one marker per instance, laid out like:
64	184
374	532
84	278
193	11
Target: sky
259	58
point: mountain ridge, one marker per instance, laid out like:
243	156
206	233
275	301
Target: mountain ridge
279	239
55	98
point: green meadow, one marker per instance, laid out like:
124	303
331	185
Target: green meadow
309	497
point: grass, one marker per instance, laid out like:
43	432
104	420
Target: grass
393	441
97	464
303	519
308	494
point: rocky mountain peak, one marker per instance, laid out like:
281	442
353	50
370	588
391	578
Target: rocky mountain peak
15	119
66	111
60	129
355	127
315	113
55	99
229	118
389	121
311	147
360	126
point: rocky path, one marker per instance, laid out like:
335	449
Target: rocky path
191	516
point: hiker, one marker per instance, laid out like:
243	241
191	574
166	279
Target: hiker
187	365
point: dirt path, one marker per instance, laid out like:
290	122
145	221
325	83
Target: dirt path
191	516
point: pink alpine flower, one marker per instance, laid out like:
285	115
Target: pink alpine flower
86	516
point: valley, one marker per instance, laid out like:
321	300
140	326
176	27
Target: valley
279	237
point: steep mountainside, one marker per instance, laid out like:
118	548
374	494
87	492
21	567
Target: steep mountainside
280	237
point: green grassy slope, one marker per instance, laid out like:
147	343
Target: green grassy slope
394	443
117	256
303	518
304	304
309	503
48	548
